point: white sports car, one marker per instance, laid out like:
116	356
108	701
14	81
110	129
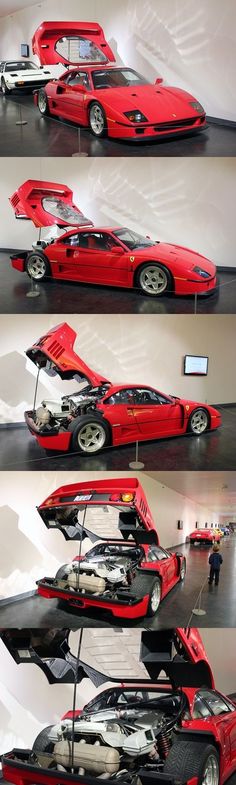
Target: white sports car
22	74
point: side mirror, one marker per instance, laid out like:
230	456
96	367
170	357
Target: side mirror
117	251
80	88
159	80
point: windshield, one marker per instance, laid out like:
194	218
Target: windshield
62	211
117	77
79	50
132	239
26	66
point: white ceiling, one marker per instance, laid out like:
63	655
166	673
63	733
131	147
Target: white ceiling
8	7
215	490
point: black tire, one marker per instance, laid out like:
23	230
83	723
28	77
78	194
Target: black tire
61	574
79	425
4	87
42	742
103	131
198	413
167	279
182	566
43	104
155	587
46	270
188	759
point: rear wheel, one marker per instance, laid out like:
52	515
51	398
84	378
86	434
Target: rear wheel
4	87
182	571
42	743
154	279
90	435
189	759
37	266
198	422
97	120
154	598
43	102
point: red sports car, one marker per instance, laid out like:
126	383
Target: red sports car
103	414
114	256
174	728
129	578
112	100
204	537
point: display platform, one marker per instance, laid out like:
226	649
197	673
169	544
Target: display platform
211	451
45	136
176	608
60	296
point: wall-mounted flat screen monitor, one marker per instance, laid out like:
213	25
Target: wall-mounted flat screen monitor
195	365
24	50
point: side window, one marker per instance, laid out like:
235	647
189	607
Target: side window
123	396
200	708
78	78
73	239
217	704
145	396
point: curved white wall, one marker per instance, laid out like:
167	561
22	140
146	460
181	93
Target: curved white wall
191	45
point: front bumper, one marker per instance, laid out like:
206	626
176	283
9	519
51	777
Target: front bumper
17	768
128	608
187	286
150	131
52	440
27	85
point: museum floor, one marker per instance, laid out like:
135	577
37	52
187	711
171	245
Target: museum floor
70	297
215	450
45	136
219	603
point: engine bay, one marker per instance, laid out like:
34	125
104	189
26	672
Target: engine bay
114	743
104	570
59	414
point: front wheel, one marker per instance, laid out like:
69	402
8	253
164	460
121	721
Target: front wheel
97	120
43	102
198	422
153	279
154	598
37	266
4	87
90	435
189	759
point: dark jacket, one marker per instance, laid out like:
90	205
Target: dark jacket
215	560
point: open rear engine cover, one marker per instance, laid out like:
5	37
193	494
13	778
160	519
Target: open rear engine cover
92	757
86	582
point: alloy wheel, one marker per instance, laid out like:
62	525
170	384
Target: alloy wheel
153	280
36	267
96	119
91	438
199	422
155	598
211	771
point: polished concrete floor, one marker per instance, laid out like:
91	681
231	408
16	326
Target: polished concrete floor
66	297
214	450
176	610
46	136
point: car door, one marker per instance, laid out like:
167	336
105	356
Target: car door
69	95
155	414
158	559
94	257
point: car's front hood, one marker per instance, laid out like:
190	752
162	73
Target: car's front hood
158	104
47	203
184	257
54	353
